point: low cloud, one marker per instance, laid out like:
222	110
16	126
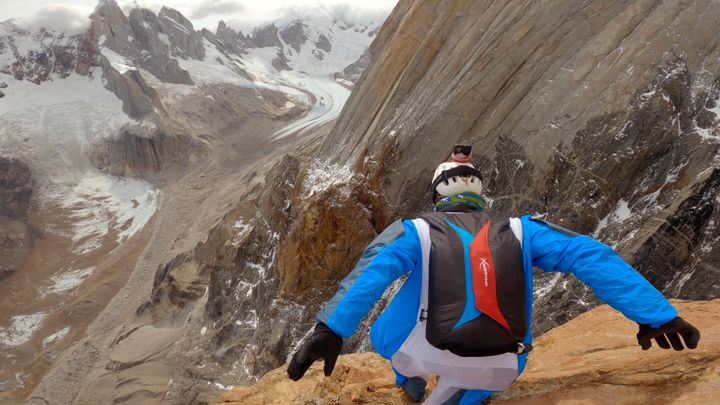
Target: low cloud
219	8
352	14
70	19
347	13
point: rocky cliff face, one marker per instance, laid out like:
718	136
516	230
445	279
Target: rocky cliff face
581	112
142	148
143	39
16	187
140	40
593	358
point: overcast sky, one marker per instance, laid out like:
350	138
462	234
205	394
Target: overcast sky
71	15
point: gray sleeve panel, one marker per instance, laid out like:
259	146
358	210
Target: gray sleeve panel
556	228
388	236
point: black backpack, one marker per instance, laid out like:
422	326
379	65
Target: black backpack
476	284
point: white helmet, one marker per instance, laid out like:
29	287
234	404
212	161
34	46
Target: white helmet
452	178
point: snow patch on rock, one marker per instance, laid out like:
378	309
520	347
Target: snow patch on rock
621	213
322	176
22	329
52	127
117	61
242	229
55	337
211	70
100	203
65	282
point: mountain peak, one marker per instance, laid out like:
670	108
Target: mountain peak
106	3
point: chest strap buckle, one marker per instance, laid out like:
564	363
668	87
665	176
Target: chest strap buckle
523	348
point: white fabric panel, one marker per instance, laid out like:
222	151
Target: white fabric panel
516	226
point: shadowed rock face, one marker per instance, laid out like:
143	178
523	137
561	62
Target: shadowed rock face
323	43
139	99
141	149
264	36
235	41
294	35
184	41
16	187
16	184
641	159
281	62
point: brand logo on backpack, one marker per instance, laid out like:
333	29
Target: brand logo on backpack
485	266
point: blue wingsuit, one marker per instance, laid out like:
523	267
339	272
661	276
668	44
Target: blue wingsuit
397	251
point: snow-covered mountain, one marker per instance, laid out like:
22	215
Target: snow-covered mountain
59	108
122	133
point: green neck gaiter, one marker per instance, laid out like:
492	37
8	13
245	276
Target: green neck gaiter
470	199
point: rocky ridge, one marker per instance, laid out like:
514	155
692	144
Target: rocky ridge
146	40
351	74
319	35
593	358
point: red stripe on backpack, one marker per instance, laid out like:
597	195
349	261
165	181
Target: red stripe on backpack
483	277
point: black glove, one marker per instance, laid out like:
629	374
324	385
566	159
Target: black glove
322	344
669	334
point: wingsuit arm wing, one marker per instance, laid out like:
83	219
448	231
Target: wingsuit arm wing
597	265
394	252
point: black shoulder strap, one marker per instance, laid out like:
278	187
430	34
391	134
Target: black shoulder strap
556	228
